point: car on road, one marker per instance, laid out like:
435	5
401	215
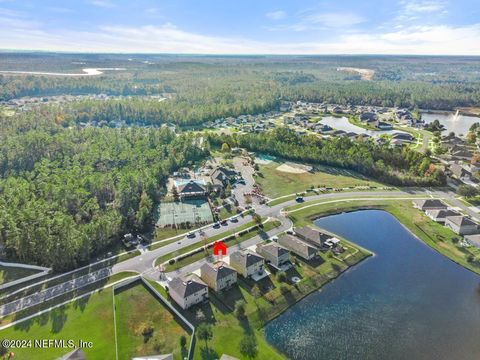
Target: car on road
216	225
191	235
224	222
234	220
299	199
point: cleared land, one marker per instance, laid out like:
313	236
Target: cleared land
433	234
137	310
365	74
87	319
8	274
277	183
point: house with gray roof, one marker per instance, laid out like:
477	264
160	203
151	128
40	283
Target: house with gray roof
429	204
191	189
246	262
461	225
312	236
188	290
297	246
218	276
439	215
273	254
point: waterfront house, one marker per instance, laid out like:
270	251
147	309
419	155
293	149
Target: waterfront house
312	236
461	225
429	204
297	246
218	276
246	262
188	290
273	254
439	215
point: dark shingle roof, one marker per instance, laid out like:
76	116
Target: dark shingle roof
311	234
188	285
190	187
296	245
274	249
246	257
217	271
460	220
430	204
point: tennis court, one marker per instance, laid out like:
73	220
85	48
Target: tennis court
195	211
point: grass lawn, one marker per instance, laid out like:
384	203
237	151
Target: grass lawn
273	298
209	252
433	234
227	211
87	319
8	273
137	309
278	183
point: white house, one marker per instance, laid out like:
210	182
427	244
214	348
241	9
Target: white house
187	291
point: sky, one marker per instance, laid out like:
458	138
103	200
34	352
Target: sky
423	27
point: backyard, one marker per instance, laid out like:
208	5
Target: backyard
145	326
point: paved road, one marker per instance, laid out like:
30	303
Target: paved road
285	225
54	291
144	262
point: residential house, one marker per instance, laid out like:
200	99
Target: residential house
429	204
312	236
297	246
460	172
368	117
461	225
383	125
218	276
223	176
439	215
187	291
246	262
273	254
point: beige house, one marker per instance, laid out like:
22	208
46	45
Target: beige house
188	290
297	246
218	276
429	204
273	254
312	236
246	262
461	225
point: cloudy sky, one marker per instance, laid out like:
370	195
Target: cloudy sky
444	27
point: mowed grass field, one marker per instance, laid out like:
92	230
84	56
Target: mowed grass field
87	319
8	274
278	183
137	309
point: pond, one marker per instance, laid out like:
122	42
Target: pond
406	302
459	124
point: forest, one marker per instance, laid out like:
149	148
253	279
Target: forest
202	88
68	195
397	166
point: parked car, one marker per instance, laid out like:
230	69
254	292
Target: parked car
191	235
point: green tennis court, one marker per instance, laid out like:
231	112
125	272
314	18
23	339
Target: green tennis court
188	211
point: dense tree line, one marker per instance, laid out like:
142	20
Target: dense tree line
393	166
68	194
